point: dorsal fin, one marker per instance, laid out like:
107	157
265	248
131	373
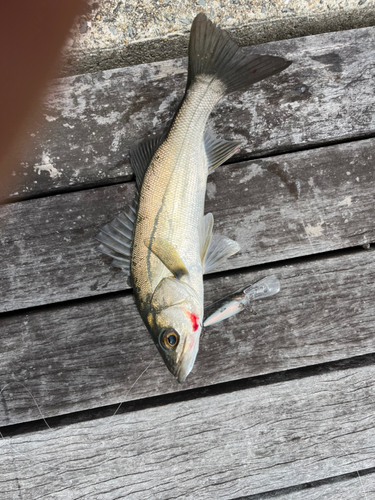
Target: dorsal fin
205	233
219	250
218	150
116	238
141	155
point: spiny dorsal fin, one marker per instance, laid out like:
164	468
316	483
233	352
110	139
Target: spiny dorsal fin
116	238
169	256
205	233
141	156
219	250
218	150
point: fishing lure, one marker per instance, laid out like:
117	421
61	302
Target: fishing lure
237	302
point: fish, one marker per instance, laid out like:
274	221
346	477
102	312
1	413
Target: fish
164	241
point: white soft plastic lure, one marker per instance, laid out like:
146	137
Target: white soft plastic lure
164	240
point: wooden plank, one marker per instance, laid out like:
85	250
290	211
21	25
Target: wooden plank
276	208
80	356
358	485
225	446
82	136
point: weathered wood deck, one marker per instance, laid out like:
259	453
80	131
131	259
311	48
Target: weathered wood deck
280	404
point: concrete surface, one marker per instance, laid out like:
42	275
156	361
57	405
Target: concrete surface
117	33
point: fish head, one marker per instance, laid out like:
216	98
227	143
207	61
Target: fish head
176	317
178	338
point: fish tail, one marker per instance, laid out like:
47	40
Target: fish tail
213	53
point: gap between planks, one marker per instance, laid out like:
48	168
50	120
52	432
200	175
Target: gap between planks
283	435
275	208
43	423
226	274
101	115
129	177
352	486
73	357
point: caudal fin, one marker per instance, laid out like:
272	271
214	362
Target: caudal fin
212	52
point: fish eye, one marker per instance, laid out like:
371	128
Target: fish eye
169	339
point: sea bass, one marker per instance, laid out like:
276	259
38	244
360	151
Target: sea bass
164	240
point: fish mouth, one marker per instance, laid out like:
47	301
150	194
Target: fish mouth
181	375
187	361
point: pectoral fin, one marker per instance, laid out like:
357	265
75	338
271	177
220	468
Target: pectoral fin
219	250
169	256
214	248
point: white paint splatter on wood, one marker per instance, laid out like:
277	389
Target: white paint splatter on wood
347	201
117	136
112	117
314	230
47	166
253	171
50	118
211	190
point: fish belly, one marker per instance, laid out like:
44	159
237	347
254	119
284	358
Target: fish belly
171	202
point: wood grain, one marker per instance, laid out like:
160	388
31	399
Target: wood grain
75	357
275	208
230	445
271	440
359	485
83	134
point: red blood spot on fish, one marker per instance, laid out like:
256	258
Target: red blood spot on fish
194	321
254	71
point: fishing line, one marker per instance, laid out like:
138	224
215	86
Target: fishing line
310	243
331	325
363	486
31	394
11	447
225	296
39	410
312	248
357	471
319	266
131	387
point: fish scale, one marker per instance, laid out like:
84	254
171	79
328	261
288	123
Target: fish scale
172	245
172	196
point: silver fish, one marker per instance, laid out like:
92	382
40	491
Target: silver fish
164	240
